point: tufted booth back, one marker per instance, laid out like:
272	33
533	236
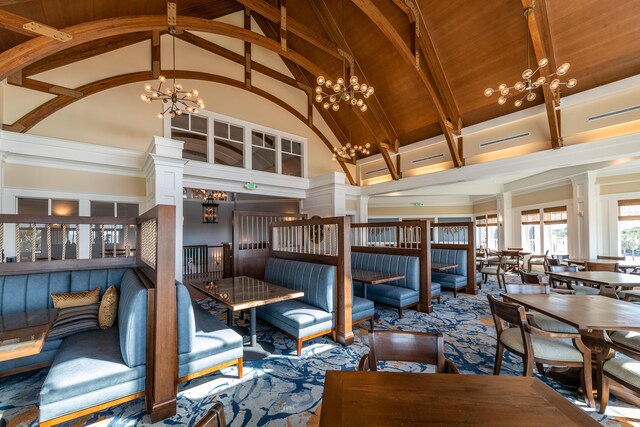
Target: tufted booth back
27	292
451	256
132	319
186	320
408	266
317	281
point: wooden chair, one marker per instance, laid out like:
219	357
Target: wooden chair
213	418
623	370
601	266
538	260
512	260
529	278
494	268
540	320
611	258
537	346
406	346
559	269
552	262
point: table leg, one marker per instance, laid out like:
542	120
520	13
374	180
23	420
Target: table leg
364	290
241	330
229	317
256	349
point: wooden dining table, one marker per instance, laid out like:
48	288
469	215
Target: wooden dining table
23	334
242	293
624	265
599	278
367	277
357	398
442	266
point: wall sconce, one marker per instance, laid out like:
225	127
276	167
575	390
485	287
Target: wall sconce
209	211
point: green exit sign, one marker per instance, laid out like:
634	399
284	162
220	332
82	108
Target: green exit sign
418	204
250	185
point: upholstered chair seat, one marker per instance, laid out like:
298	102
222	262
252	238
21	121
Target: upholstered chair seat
543	348
586	290
624	368
550	324
629	339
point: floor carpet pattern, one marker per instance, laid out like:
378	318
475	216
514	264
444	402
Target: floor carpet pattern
286	390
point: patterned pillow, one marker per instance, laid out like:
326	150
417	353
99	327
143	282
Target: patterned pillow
108	308
75	299
73	320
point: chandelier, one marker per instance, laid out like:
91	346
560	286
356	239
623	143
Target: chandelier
352	93
531	82
349	152
175	100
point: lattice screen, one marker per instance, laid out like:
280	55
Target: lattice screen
148	242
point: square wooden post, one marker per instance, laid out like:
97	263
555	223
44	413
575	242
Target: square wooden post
424	303
344	325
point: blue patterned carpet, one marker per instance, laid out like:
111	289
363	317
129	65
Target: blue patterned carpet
284	390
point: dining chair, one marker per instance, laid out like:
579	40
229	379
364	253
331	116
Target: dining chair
406	346
540	320
552	262
494	268
213	418
562	257
512	260
534	345
537	260
530	278
600	266
611	258
624	370
560	269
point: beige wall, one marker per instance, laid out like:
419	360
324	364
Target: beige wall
393	212
626	187
491	205
32	177
118	118
351	205
543	196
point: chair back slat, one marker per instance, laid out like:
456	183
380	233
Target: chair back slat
510	313
553	262
405	346
530	278
528	289
600	266
563	268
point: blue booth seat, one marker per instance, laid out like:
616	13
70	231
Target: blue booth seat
308	317
455	278
362	310
398	293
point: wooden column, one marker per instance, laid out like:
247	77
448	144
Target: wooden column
162	320
424	303
344	332
471	259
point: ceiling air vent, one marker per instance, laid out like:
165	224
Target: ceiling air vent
509	138
613	113
424	159
375	171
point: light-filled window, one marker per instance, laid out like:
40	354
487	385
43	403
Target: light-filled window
629	228
531	240
263	152
555	230
291	152
228	144
193	131
487	231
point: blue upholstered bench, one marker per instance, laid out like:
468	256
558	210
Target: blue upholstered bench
205	344
310	316
455	278
399	293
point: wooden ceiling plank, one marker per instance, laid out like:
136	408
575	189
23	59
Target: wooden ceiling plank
273	14
541	41
12	22
84	51
379	19
330	26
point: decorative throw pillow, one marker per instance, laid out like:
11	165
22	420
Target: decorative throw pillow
108	308
75	299
73	320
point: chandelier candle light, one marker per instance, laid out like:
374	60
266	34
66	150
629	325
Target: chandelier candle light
352	92
177	100
349	151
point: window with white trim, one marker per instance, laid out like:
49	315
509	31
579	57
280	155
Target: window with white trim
193	131
629	228
291	154
545	230
263	152
228	144
487	231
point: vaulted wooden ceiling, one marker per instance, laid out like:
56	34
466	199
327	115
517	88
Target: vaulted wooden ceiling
462	47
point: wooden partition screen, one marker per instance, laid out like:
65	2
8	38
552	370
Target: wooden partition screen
250	239
399	238
146	243
458	236
322	241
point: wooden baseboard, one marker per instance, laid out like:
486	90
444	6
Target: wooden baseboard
163	410
25	369
214	369
90	410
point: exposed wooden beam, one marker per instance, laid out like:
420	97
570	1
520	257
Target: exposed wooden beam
239	59
403	6
12	22
273	14
247	50
323	14
384	150
155	53
283	24
541	39
4	3
380	20
84	51
268	29
45	87
33	50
